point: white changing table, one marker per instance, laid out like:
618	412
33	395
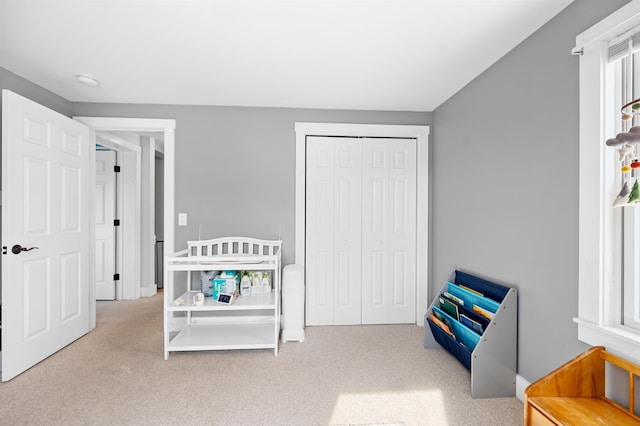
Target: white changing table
251	322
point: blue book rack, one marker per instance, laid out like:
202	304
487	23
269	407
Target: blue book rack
486	347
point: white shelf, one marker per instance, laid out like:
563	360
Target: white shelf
205	337
224	262
241	303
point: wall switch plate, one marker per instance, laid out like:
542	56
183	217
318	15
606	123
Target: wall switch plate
182	219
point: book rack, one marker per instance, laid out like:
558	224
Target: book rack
490	351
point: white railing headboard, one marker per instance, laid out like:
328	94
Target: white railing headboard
230	246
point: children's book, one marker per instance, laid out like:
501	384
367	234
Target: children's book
444	319
485	313
449	307
456	299
474	325
442	325
471	290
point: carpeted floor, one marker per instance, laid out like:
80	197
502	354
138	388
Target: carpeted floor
346	375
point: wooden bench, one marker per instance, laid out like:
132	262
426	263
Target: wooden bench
574	394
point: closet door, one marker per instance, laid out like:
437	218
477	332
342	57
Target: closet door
333	231
389	231
360	231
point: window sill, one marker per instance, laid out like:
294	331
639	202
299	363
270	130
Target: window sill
619	340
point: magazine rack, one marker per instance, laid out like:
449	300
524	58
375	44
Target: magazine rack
490	356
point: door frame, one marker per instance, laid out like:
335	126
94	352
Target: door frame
167	127
421	134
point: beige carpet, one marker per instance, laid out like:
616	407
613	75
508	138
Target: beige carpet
360	375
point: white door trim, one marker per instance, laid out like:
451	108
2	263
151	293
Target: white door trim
167	126
421	134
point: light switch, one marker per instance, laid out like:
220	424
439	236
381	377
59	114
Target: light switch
182	219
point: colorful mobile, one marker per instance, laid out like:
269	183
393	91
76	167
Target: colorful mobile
628	157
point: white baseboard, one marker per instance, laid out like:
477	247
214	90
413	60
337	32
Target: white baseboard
521	385
148	290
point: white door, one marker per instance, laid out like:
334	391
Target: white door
319	232
333	244
105	208
389	231
46	209
360	244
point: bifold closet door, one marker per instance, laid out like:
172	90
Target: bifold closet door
360	231
388	231
333	231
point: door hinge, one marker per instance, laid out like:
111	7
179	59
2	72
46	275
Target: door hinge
116	277
116	222
116	169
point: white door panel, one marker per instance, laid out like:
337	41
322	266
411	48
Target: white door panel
389	231
46	161
37	289
71	285
403	176
105	231
347	233
376	277
333	231
402	232
320	224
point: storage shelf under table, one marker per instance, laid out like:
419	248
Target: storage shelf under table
241	303
227	337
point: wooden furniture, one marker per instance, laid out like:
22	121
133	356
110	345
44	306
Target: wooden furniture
490	354
251	322
574	394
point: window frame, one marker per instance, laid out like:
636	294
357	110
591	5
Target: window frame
599	317
626	75
631	302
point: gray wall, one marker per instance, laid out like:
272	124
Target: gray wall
19	85
505	184
235	166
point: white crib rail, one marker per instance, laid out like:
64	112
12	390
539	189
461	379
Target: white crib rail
233	246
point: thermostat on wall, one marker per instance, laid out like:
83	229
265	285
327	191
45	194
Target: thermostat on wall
226	298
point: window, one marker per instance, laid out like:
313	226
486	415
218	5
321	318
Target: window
625	72
608	263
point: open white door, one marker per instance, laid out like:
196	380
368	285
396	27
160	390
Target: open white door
46	232
105	229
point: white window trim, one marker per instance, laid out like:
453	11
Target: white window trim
598	273
631	216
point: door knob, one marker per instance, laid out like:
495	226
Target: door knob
17	249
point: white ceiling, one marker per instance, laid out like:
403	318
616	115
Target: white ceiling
350	54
